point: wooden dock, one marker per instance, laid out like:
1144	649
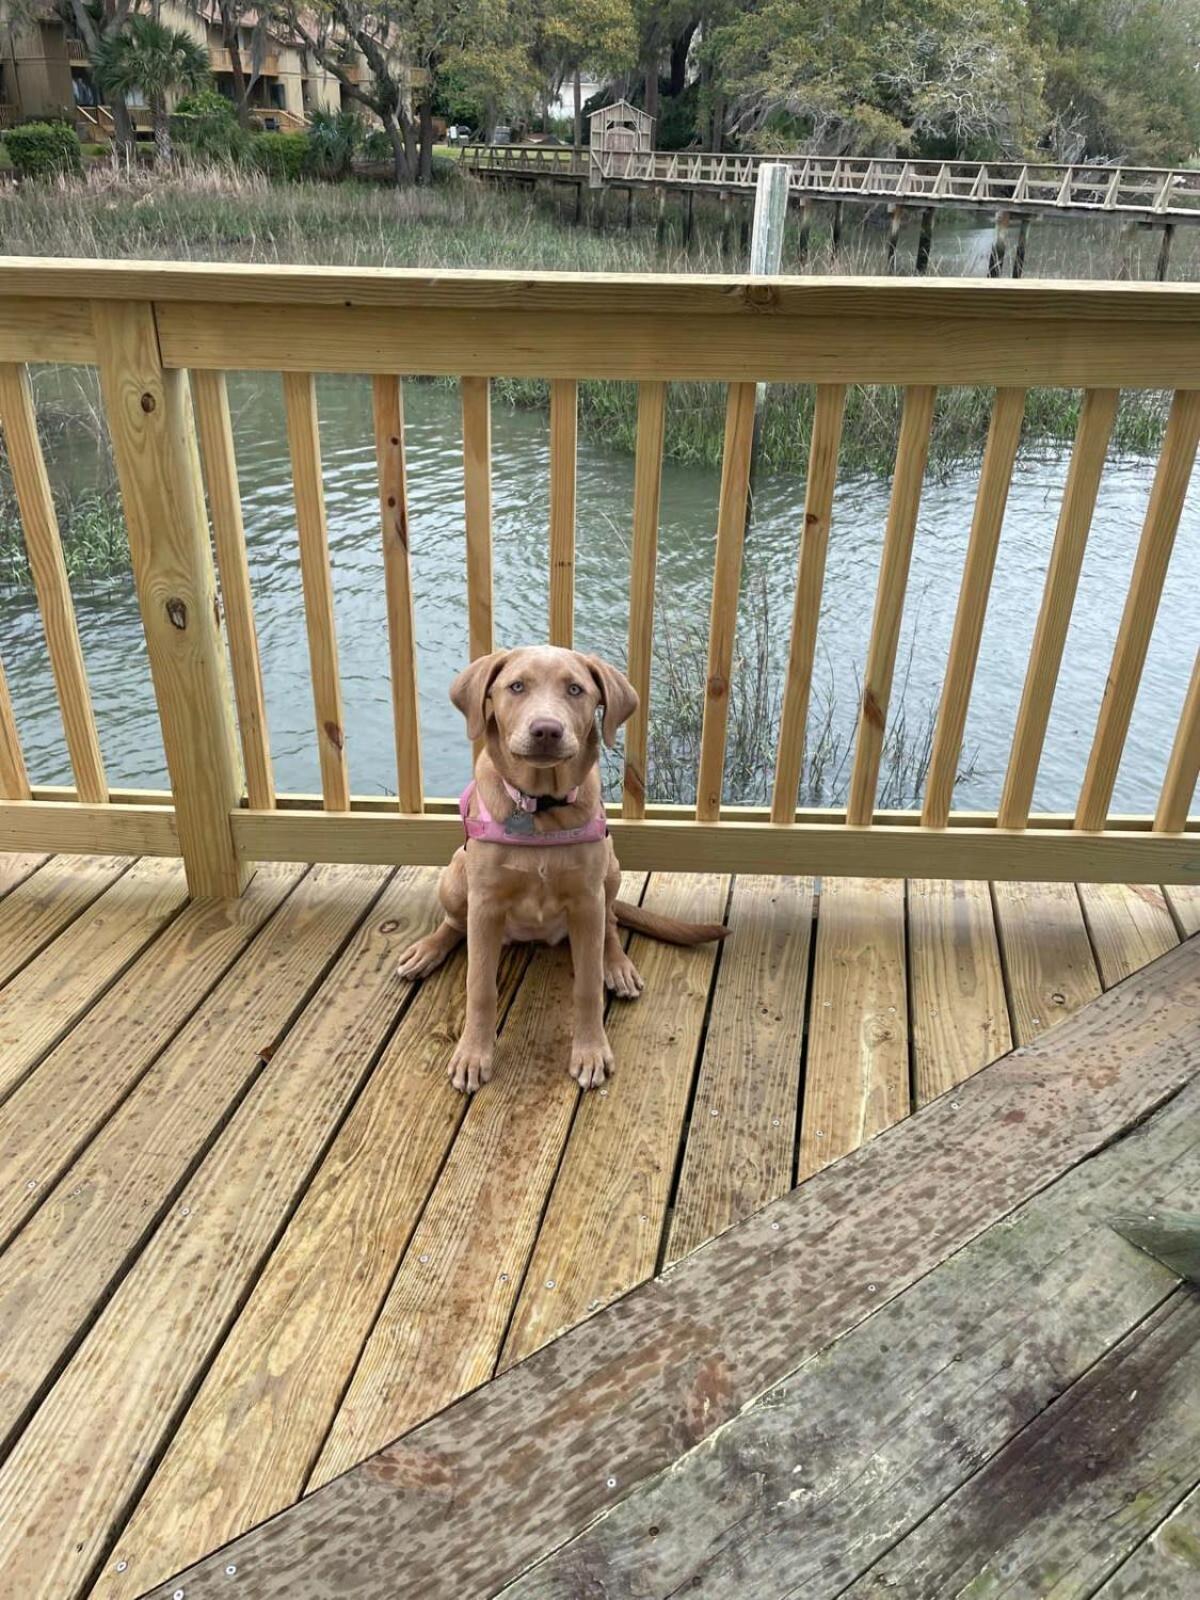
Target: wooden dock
252	1236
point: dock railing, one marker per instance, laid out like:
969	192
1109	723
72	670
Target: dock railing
164	336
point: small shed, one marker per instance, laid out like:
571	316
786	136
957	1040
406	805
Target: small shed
620	129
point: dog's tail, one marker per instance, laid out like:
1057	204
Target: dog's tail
669	929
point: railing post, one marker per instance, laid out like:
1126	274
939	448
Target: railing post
149	415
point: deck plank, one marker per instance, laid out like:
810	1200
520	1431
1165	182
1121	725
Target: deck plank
799	1496
98	1214
16	867
1075	1493
1048	956
1130	925
249	1440
81	1460
856	1078
55	989
959	1009
570	1432
443	1322
1164	1566
606	1216
1184	900
49	1119
741	1159
37	909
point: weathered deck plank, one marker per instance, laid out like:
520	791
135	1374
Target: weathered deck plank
1130	925
1184	900
856	1078
49	994
571	1431
741	1159
47	1121
1165	1566
605	1220
801	1494
1048	958
959	1010
14	869
83	1458
38	907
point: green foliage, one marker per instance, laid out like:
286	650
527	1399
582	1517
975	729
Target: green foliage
283	157
43	150
207	124
334	139
151	58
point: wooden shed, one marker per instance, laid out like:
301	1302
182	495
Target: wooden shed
620	129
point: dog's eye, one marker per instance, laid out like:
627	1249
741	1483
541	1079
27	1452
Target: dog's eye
516	687
575	688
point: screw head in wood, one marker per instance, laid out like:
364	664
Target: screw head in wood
231	1570
120	1566
612	1483
550	1283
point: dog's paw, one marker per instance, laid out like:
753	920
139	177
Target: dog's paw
420	959
591	1063
470	1066
622	977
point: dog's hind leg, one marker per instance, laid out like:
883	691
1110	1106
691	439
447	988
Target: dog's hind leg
428	953
620	974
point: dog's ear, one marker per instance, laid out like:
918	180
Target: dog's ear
469	691
617	696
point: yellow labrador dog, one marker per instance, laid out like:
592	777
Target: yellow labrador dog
538	863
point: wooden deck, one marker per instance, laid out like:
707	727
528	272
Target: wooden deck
251	1235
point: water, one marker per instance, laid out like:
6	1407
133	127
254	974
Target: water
115	653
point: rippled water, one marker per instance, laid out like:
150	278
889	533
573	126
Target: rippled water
116	657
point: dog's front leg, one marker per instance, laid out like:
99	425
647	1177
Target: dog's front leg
471	1063
591	1055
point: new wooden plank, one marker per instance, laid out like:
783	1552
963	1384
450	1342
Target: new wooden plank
1171	481
1096	418
55	1111
14	777
856	1076
46	997
43	546
959	1008
564	426
37	909
1183	765
1165	1564
46	330
477	499
732	512
799	1495
215	429
912	454
249	1440
82	1459
67	825
100	1211
1130	925
647	490
605	1221
569	1433
1120	1448
440	1329
304	445
740	1159
14	869
388	412
806	609
1049	963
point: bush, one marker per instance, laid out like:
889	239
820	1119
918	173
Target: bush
207	124
282	156
43	150
334	139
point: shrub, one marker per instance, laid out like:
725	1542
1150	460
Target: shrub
43	150
282	156
334	139
207	124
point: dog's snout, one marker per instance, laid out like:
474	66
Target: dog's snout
546	730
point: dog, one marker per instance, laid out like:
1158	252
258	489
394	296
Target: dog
538	864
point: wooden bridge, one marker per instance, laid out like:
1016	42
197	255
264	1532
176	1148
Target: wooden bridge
1010	191
283	1315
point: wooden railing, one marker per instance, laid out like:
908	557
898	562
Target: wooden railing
163	337
543	160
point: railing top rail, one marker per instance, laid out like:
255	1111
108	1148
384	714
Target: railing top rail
582	293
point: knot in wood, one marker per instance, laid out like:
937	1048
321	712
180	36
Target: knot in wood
334	734
148	402
177	612
717	688
760	296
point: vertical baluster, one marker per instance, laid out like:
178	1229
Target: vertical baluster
1183	768
1141	607
647	485
995	479
44	548
477	482
402	643
1062	579
727	572
215	428
912	455
14	780
304	442
564	422
806	610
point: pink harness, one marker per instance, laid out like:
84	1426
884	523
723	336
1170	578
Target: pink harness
518	829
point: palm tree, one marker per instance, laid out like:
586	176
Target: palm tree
157	60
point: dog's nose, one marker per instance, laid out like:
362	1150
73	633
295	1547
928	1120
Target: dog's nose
546	730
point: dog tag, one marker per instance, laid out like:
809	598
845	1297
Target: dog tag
520	824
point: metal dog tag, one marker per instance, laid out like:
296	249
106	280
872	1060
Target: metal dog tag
520	824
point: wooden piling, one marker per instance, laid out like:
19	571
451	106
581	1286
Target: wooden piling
925	242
